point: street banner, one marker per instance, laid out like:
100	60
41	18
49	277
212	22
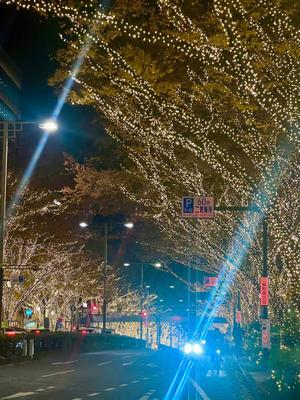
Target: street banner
265	333
264	291
201	207
210	281
238	318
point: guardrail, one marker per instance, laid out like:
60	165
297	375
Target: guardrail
28	345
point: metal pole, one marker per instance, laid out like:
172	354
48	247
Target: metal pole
105	276
3	211
189	300
265	273
141	300
158	331
239	305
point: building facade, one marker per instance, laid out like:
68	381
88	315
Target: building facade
10	87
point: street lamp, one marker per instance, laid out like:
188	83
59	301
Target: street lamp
49	126
128	225
142	265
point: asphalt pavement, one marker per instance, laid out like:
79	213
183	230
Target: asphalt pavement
119	375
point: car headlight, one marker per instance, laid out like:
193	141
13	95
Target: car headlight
197	349
187	348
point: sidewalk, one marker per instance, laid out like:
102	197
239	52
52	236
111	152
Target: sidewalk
257	376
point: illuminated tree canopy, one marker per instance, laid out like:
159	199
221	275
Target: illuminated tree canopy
203	96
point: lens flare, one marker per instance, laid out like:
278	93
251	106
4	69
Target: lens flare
197	349
187	348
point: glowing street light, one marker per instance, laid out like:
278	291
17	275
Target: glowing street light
83	224
157	265
49	126
129	225
171	286
126	264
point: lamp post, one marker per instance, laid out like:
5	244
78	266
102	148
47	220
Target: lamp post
128	225
49	126
142	265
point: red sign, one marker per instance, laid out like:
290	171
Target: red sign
204	207
210	281
238	318
264	291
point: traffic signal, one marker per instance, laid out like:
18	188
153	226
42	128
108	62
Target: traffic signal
28	313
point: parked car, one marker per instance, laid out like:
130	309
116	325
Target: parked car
86	331
13	330
38	331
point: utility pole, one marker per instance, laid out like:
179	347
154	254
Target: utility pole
3	212
265	322
104	310
189	300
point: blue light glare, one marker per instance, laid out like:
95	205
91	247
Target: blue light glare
27	175
197	349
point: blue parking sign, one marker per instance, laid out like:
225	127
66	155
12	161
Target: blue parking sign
187	206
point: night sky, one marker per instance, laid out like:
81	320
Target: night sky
32	41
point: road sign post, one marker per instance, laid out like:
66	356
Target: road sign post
210	281
191	208
200	207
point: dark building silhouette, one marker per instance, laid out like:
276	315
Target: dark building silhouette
10	86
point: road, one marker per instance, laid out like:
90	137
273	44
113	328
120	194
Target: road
116	375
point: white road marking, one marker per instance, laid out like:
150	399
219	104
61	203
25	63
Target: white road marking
40	390
123	384
199	390
151	365
50	387
17	395
146	397
134	381
58	373
128	363
93	394
104	363
145	379
77	398
109	389
64	363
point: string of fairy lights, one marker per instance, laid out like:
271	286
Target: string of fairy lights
261	81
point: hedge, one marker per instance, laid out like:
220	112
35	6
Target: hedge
67	341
